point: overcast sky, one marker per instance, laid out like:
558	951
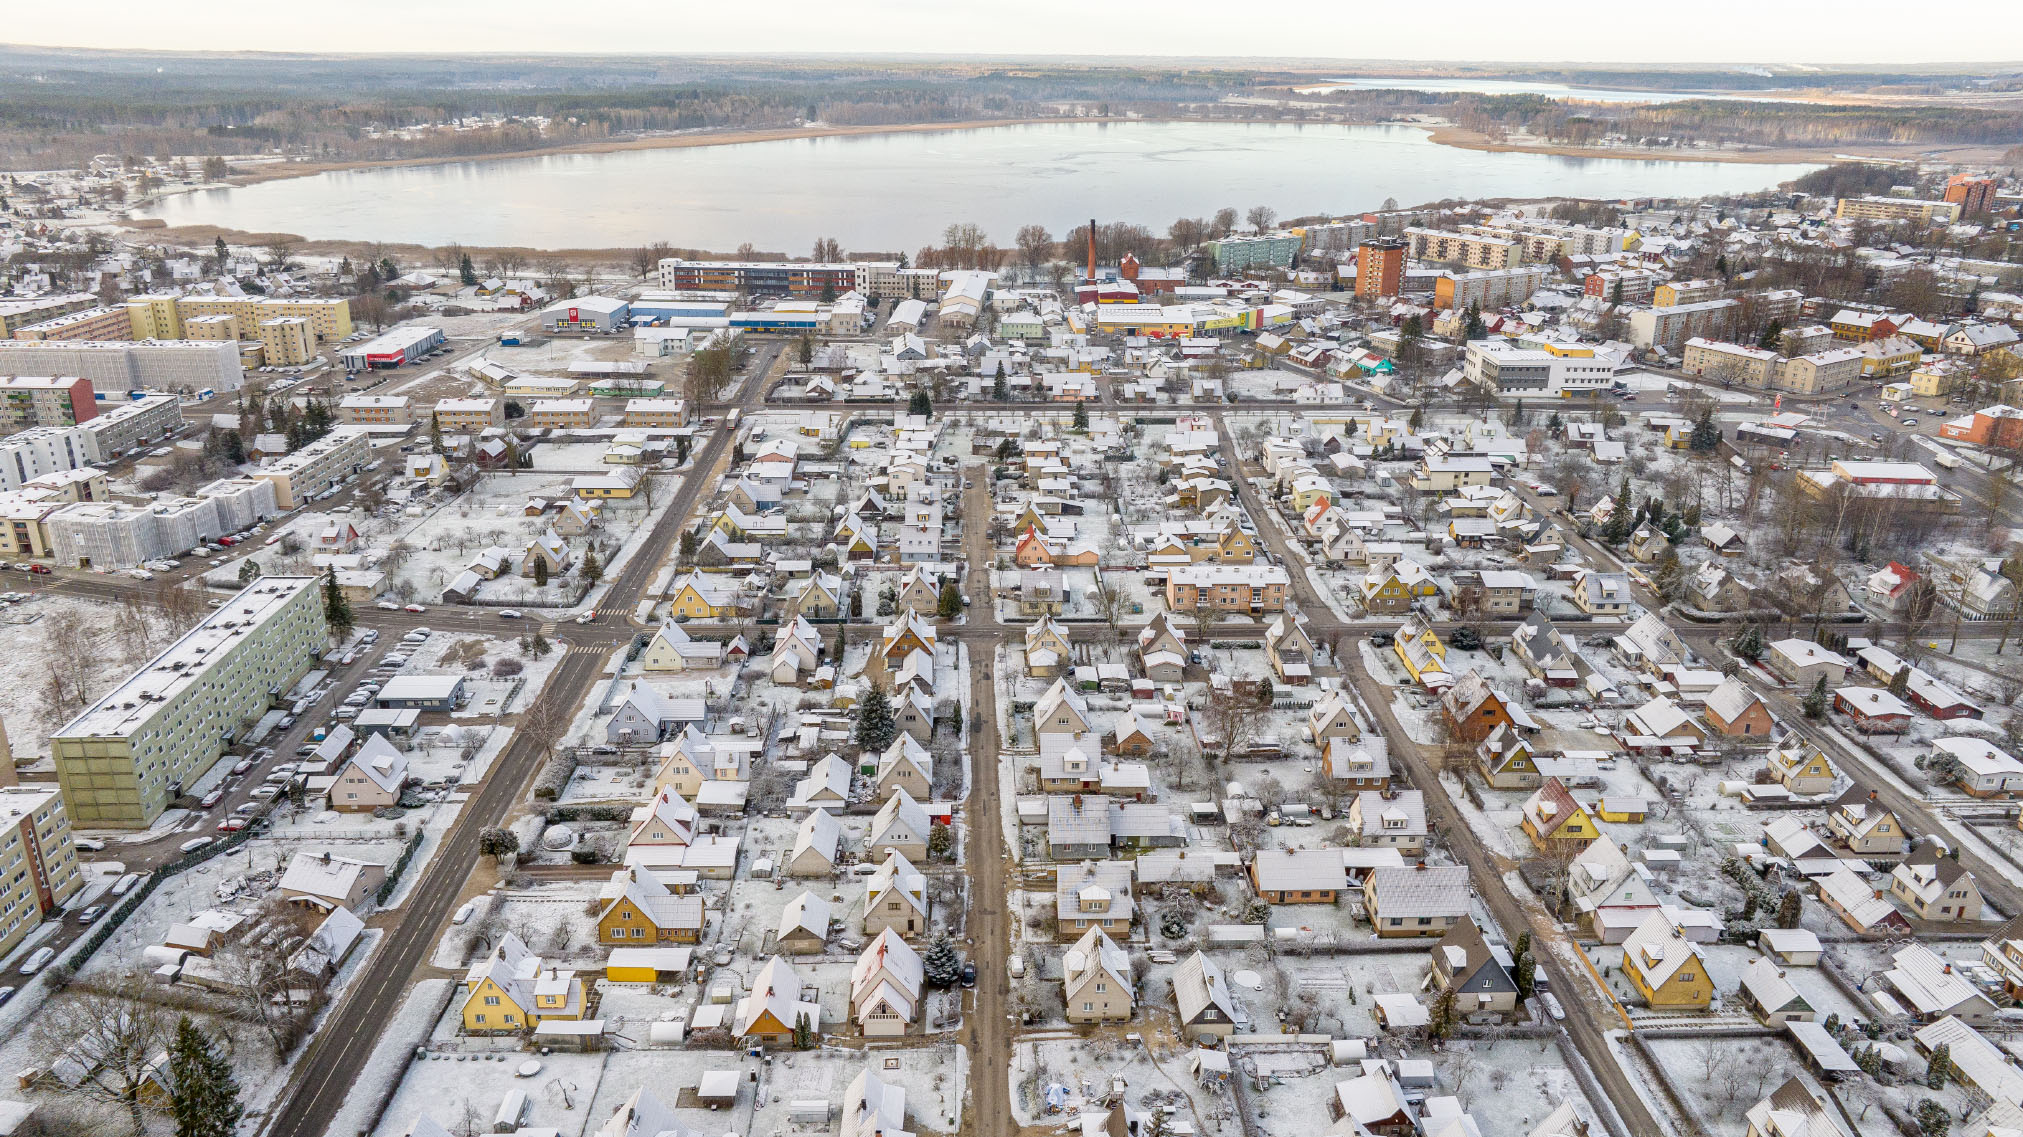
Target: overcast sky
1751	31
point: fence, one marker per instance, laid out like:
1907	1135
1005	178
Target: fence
392	880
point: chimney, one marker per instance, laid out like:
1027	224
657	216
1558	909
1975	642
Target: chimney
1092	248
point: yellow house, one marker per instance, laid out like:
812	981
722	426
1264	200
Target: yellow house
1802	769
1935	380
1556	822
1235	547
1418	647
1665	967
678	772
698	596
1307	491
1620	810
637	909
510	992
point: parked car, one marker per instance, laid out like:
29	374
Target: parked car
40	570
388	605
414	608
231	825
90	914
242	766
6	993
509	614
89	844
246	808
212	798
194	844
37	961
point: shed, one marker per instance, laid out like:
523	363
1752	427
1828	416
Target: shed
717	1088
647	964
1400	1011
422	692
1793	946
1826	1055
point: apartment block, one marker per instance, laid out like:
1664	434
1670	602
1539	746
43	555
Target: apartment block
1227	588
183	366
655	412
99	323
1468	251
39	858
112	535
126	757
1380	268
221	326
23	523
1622	285
759	278
329	319
1732	362
470	414
155	317
16	314
1675	292
1668	329
378	410
1922	210
1820	371
44	400
126	427
317	467
39	450
562	414
1973	195
1487	289
241	501
287	341
1264	250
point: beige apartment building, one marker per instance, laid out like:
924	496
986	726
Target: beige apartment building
317	467
329	319
1820	371
17	314
1469	251
287	341
155	317
1227	588
125	758
470	414
1733	362
88	324
1675	292
655	412
1668	329
222	326
1921	210
37	856
374	410
563	413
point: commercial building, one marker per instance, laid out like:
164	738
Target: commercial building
287	341
87	324
399	346
764	278
317	467
1489	288
586	314
1380	268
1922	210
470	414
40	450
1668	329
1467	250
1264	250
182	366
1534	368
17	314
1973	195
45	400
40	857
126	757
374	410
128	426
963	296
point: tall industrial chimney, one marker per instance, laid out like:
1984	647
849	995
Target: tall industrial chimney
1092	248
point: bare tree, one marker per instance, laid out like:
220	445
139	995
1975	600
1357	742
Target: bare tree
113	1033
1260	217
1232	720
259	969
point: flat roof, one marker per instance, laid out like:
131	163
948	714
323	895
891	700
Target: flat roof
128	706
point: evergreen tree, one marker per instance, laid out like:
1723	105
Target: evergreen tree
806	350
224	254
591	569
836	651
1749	644
940	964
949	604
875	729
336	609
1264	691
1527	975
1749	903
997	388
1081	416
1474	329
539	646
466	271
1444	1013
940	841
804	1032
1772	332
1900	683
1706	436
540	572
1790	909
920	405
203	1095
1940	1068
1815	702
1932	1117
249	571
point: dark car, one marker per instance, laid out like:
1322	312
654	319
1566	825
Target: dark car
1381	639
969	973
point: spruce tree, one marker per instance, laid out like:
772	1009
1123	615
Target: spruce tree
591	569
203	1096
1815	702
1790	909
920	405
949	604
1081	416
466	271
874	721
940	965
1706	436
540	571
336	609
1900	683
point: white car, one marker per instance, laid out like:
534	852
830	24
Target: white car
388	605
415	608
509	614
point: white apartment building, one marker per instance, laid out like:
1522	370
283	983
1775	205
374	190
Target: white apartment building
241	501
112	535
180	366
43	450
1488	288
1533	369
128	426
38	860
317	467
126	757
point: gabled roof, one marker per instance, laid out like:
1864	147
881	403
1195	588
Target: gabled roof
1731	700
902	812
804	913
1095	953
819	833
887	958
380	761
1198	983
775	990
1658	949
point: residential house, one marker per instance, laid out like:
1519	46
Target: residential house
510	992
817	843
1096	980
1803	663
1162	648
901	826
1420	649
904	765
1873	710
1047	648
1770	996
804	926
1734	710
1094	894
370	779
1666	969
886	985
1935	887
1423	900
1803	769
1203	1000
1660	727
1393	819
671	648
1333	719
635	907
774	1009
1555	822
1859	822
1608	893
895	898
1979	767
1290	650
1860	905
1353	767
1798	1108
1481	974
1473	709
1504	759
1601	593
1931	988
1298	876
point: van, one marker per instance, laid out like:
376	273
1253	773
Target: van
38	960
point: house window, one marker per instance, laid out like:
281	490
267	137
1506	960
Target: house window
1088	1006
480	1018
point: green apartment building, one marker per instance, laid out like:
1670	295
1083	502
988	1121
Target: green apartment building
126	758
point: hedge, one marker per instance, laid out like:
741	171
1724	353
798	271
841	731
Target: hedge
399	866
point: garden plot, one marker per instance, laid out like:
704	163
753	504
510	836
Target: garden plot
493	669
570	457
1080	1072
1721	1078
556	920
465	1090
50	635
933	1077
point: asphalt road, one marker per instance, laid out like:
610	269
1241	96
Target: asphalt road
336	1057
989	863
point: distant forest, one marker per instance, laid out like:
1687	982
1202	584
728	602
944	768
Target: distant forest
61	108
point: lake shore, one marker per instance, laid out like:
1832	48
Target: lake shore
1448	134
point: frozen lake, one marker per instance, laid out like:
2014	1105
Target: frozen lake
897	191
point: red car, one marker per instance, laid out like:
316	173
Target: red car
40	570
231	825
228	541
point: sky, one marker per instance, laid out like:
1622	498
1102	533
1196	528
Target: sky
1712	31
